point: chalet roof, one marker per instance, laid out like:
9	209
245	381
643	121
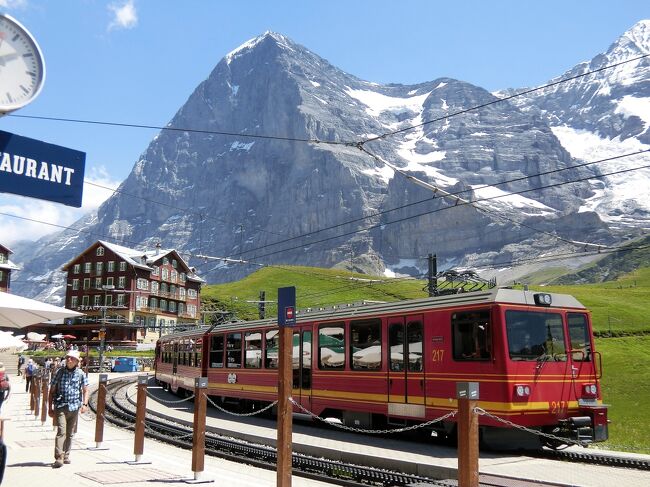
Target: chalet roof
6	249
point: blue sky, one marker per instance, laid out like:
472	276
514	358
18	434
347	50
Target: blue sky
137	61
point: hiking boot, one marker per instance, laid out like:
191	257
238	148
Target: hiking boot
57	464
66	461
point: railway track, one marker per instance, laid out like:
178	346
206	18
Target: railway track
120	411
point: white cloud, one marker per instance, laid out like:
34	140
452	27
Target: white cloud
13	4
39	217
124	14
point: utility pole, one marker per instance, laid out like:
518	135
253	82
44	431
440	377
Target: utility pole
432	286
261	306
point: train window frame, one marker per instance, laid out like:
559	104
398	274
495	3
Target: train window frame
471	333
330	352
368	330
271	362
257	362
584	351
525	339
215	353
416	365
234	351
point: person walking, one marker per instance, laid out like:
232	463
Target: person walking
21	362
67	398
5	386
29	374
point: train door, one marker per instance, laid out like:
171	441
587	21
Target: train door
302	365
405	369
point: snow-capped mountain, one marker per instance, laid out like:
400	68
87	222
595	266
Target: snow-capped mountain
248	181
605	115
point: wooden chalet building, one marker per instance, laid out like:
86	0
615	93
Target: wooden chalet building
151	291
6	266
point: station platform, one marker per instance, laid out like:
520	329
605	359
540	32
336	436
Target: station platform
30	454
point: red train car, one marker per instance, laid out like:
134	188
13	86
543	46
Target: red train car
398	363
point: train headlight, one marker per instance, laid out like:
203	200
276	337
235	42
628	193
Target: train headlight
542	299
590	389
522	390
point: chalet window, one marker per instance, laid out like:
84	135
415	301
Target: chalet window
471	335
181	308
85	300
108	301
2	275
122	266
86	283
181	293
216	351
100	251
74	301
99	267
165	274
97	300
120	299
191	293
154	287
75	284
165	261
331	346
153	302
174	276
109	281
365	344
142	284
155	271
174	264
233	350
98	283
191	310
3	258
111	266
121	282
77	268
183	277
88	266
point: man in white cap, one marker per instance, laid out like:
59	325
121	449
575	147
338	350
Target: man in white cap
68	396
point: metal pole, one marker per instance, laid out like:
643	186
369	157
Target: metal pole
102	336
198	438
285	408
138	442
101	403
467	393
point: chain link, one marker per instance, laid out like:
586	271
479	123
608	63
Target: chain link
166	401
259	411
483	412
375	432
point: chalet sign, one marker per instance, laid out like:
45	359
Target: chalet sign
30	167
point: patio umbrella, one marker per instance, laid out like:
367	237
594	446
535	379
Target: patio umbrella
57	336
9	341
70	337
18	312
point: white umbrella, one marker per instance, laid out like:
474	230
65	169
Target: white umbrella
58	335
9	341
18	312
32	336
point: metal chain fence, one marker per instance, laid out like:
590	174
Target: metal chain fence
483	412
254	413
376	432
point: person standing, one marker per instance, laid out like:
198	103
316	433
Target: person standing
68	396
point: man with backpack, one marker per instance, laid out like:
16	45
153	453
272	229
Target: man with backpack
68	396
29	373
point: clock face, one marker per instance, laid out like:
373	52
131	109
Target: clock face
22	69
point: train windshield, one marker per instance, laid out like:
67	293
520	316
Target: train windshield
535	336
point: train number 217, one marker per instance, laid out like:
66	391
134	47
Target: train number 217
437	354
558	407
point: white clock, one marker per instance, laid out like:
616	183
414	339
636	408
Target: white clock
22	68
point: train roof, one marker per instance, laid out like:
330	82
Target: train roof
368	309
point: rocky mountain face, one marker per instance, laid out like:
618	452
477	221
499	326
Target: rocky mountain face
247	181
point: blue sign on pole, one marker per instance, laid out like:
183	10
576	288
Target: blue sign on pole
286	306
30	167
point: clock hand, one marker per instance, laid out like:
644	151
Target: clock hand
8	57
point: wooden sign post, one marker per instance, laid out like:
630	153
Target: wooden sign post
286	320
467	393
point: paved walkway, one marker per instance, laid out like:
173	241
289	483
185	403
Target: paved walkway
30	453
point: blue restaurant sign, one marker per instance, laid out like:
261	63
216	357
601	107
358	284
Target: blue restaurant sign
30	167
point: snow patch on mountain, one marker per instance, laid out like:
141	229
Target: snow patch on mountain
495	198
378	102
631	106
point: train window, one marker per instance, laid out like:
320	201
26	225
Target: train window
253	342
233	350
535	336
216	351
471	335
306	361
396	346
414	335
579	336
365	344
271	350
331	346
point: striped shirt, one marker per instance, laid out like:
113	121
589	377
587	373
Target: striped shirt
69	385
